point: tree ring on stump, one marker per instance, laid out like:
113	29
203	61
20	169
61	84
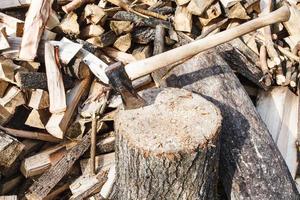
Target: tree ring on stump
172	141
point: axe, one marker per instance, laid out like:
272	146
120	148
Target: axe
120	76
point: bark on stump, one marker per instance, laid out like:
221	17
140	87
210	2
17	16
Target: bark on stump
168	149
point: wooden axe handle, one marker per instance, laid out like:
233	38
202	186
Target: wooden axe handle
142	67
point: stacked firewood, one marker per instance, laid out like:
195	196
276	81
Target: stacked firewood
53	106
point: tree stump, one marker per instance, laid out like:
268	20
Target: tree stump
168	149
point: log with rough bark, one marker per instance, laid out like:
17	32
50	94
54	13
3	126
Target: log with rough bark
37	80
46	182
250	163
10	149
35	23
177	161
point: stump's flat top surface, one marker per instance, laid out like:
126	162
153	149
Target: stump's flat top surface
177	120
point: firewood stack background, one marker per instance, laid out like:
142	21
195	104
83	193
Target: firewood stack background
52	102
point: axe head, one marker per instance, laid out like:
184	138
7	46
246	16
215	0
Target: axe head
120	81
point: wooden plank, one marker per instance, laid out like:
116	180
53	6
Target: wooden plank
57	95
10	149
35	23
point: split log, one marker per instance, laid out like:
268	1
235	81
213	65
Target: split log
197	7
121	27
105	40
73	5
237	11
4	44
86	184
123	57
31	66
6	71
35	23
92	30
59	122
211	13
142	52
39	163
10	24
15	45
190	151
53	20
183	19
8	4
57	191
5	115
106	144
159	47
3	87
93	14
140	21
31	147
69	25
96	65
143	35
38	118
10	149
37	80
243	60
57	95
10	197
58	171
278	108
30	135
9	185
39	99
250	163
182	2
67	50
123	43
12	99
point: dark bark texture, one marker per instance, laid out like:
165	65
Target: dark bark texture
188	172
251	166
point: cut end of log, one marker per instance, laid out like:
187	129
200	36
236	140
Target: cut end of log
165	124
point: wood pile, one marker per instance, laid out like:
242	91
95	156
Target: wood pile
57	108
